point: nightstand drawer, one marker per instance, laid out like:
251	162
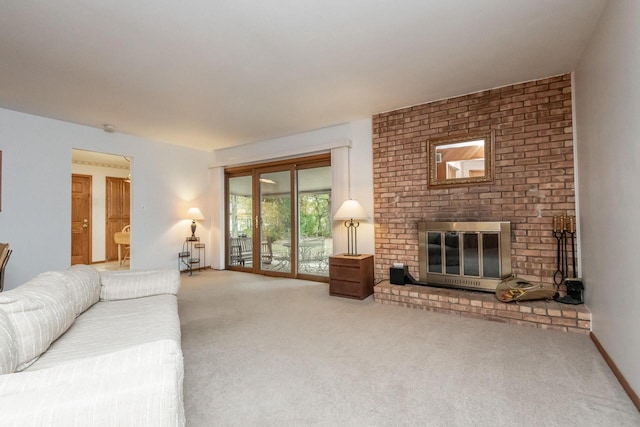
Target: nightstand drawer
348	262
342	288
349	274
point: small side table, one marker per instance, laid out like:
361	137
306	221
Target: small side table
351	276
193	255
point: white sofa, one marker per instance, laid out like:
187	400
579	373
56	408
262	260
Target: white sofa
88	348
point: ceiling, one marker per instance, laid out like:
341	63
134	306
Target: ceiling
212	74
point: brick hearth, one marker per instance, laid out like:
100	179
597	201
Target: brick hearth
482	305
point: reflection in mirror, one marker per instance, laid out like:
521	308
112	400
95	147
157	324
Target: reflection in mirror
461	160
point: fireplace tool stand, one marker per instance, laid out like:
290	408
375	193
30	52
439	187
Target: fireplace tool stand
564	229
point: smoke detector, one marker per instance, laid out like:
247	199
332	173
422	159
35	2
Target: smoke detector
108	128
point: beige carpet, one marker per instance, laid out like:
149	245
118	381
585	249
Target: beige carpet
263	351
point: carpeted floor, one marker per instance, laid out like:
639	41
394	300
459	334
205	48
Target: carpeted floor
262	351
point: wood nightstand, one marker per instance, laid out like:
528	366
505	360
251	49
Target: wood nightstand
351	276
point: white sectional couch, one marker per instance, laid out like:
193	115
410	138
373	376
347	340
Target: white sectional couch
84	348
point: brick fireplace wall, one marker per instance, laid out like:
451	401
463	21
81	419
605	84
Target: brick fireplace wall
534	175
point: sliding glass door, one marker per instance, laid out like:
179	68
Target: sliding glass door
240	221
315	243
276	232
278	218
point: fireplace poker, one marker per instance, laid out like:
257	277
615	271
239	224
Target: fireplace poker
572	231
565	257
558	276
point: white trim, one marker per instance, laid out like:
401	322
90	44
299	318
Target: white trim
576	181
294	151
340	191
217	207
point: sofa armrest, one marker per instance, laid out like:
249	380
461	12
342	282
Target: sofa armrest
139	386
119	285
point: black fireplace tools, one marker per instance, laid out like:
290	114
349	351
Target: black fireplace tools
564	230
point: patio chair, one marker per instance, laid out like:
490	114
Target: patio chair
240	250
267	254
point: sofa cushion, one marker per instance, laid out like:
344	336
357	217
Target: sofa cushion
39	312
8	349
83	282
119	285
112	326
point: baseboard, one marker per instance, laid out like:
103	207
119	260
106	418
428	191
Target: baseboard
625	385
206	267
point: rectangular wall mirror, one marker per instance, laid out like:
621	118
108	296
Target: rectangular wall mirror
461	160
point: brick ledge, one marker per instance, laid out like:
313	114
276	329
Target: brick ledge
482	305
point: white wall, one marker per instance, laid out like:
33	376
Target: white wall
99	176
358	134
607	94
36	193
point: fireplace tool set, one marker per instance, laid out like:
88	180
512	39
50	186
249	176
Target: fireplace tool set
564	230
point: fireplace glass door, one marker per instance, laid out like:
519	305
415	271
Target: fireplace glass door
468	255
473	254
477	247
452	252
434	252
471	257
491	255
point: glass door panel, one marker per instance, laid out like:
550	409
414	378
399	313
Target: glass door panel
315	242
452	252
434	252
491	255
471	256
240	224
275	222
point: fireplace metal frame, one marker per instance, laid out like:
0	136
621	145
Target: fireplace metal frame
481	283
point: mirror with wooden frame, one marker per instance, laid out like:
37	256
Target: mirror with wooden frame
461	160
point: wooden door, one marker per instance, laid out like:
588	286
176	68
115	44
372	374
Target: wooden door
117	213
80	219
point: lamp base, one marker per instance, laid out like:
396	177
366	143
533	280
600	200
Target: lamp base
352	237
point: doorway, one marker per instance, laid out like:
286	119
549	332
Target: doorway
100	168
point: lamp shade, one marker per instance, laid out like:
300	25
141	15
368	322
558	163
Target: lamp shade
195	214
350	209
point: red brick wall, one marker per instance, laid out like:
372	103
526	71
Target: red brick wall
534	178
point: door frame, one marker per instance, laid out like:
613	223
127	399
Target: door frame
254	170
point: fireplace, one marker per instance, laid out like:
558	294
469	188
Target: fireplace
466	255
